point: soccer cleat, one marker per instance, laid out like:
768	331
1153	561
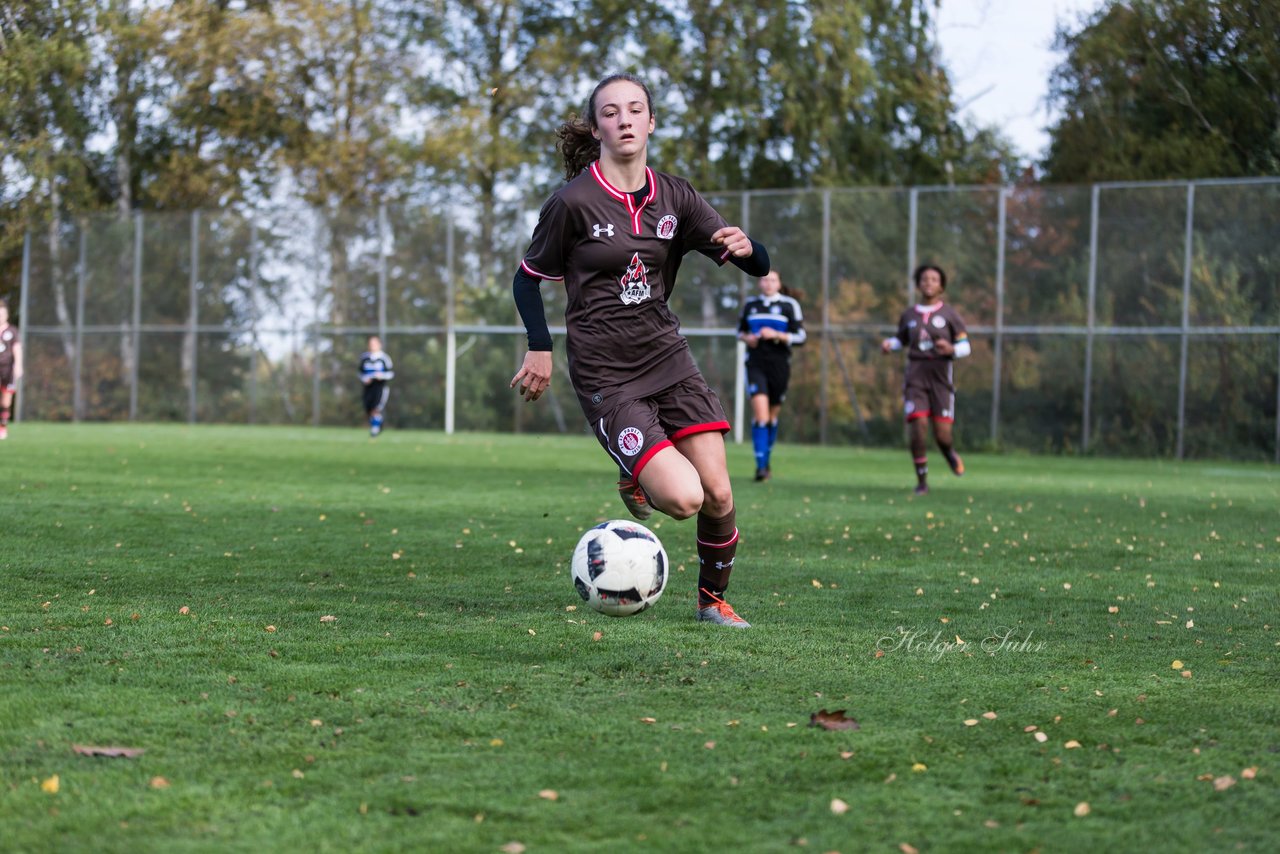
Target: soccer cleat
762	474
721	613
922	489
633	496
957	464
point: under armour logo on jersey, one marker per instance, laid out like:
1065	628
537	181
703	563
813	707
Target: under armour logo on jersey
606	230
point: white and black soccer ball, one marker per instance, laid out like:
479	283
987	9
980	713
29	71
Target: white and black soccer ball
619	568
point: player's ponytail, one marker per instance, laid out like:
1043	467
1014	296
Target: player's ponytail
577	146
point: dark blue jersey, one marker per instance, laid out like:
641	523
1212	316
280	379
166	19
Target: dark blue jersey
375	367
778	312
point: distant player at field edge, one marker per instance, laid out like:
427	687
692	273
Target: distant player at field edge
934	336
10	366
376	374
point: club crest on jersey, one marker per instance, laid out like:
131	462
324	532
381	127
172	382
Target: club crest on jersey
599	230
938	322
630	441
667	227
635	284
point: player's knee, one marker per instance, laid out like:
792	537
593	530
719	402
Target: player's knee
717	500
684	502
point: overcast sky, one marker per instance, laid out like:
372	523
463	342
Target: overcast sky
999	56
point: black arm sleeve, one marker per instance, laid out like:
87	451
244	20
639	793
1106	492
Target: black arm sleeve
756	264
528	295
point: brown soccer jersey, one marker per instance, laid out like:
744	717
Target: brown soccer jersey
921	325
8	340
618	260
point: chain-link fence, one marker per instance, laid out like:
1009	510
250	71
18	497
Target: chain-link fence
1128	319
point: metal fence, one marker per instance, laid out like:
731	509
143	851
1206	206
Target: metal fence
1138	319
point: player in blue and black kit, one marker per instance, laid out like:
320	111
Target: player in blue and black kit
376	374
771	324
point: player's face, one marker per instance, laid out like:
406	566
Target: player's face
4	314
770	284
930	286
623	120
375	344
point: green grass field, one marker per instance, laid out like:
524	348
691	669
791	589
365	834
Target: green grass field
324	642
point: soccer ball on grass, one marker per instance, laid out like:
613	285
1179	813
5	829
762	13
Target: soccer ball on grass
619	568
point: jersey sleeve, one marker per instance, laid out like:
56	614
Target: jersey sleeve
795	328
699	222
904	331
546	256
959	332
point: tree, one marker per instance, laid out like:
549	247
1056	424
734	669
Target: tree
1163	89
826	93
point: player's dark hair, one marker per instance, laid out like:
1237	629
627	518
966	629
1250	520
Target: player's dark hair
920	271
577	145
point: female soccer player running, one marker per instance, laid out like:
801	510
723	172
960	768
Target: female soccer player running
10	366
934	336
615	234
771	324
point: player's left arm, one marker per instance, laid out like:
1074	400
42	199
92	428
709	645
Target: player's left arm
956	345
746	254
795	326
705	230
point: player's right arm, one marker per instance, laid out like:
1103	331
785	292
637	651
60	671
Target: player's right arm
544	260
534	375
896	342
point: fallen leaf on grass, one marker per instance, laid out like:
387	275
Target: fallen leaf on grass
833	720
513	848
1072	744
839	807
328	618
991	716
126	752
919	767
1082	809
50	785
907	849
971	722
1221	784
549	795
1176	665
1041	737
1249	773
159	783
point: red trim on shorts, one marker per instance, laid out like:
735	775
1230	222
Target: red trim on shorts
11	389
944	419
712	426
644	461
916	416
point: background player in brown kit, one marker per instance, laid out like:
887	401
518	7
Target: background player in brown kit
10	366
934	336
615	234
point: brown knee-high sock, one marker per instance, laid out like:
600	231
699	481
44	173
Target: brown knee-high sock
717	546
